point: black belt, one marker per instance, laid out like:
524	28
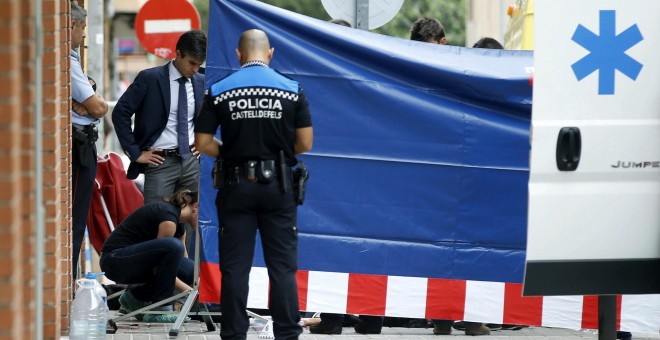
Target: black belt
252	171
91	131
85	128
170	152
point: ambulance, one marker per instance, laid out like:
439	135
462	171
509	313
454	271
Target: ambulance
594	187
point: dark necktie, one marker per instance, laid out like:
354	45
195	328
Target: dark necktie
182	120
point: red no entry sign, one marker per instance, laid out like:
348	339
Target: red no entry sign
160	23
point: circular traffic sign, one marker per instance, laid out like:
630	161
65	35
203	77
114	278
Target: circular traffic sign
380	11
160	23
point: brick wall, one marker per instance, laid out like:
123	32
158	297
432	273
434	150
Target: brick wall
11	189
17	168
62	152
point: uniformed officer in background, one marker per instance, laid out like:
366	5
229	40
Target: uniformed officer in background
265	122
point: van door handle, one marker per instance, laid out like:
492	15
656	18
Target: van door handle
569	147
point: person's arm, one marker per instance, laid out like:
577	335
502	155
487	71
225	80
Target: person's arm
206	125
95	106
303	125
181	286
182	238
166	229
85	101
126	107
207	144
304	140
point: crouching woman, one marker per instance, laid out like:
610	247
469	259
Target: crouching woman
148	247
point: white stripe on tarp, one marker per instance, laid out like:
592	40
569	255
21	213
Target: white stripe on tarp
562	311
327	292
406	296
258	297
167	26
484	301
640	313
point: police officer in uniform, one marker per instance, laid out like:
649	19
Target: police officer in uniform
265	122
88	108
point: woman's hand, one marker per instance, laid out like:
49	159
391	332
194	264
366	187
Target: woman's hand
181	286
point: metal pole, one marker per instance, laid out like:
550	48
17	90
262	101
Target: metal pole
95	51
606	317
362	14
40	223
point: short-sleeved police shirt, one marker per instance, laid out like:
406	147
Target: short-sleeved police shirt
143	224
258	111
81	90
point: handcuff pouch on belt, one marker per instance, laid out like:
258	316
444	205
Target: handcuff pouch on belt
250	171
259	171
300	177
218	174
84	138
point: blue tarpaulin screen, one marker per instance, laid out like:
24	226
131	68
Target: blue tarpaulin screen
420	159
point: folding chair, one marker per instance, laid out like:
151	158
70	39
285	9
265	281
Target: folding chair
114	198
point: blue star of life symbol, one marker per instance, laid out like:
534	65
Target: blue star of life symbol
607	52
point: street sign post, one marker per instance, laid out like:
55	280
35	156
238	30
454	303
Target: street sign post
363	14
160	23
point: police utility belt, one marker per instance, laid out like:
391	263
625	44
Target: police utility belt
263	171
84	137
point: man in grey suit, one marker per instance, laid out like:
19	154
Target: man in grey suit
164	100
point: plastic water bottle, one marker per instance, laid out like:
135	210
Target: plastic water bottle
88	313
98	287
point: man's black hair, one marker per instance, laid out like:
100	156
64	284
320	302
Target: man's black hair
425	29
487	42
341	22
192	43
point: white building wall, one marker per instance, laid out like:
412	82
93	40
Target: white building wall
486	18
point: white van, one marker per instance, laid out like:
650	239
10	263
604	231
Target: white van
594	189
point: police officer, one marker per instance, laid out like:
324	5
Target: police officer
88	108
265	121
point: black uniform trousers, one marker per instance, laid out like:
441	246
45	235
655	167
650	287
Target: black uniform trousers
242	209
82	186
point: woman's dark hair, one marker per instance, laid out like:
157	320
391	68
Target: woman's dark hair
183	198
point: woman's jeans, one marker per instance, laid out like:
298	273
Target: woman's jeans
156	263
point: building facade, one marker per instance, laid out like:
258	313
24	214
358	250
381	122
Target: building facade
35	213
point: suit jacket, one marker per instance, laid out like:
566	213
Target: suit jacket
148	97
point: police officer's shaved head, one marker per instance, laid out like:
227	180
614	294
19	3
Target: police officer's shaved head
254	46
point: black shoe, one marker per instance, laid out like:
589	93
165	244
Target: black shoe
349	320
442	330
621	335
479	329
325	328
506	327
362	328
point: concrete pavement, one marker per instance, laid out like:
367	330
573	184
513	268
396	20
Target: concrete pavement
196	330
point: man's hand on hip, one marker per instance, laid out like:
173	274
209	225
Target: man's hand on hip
149	157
